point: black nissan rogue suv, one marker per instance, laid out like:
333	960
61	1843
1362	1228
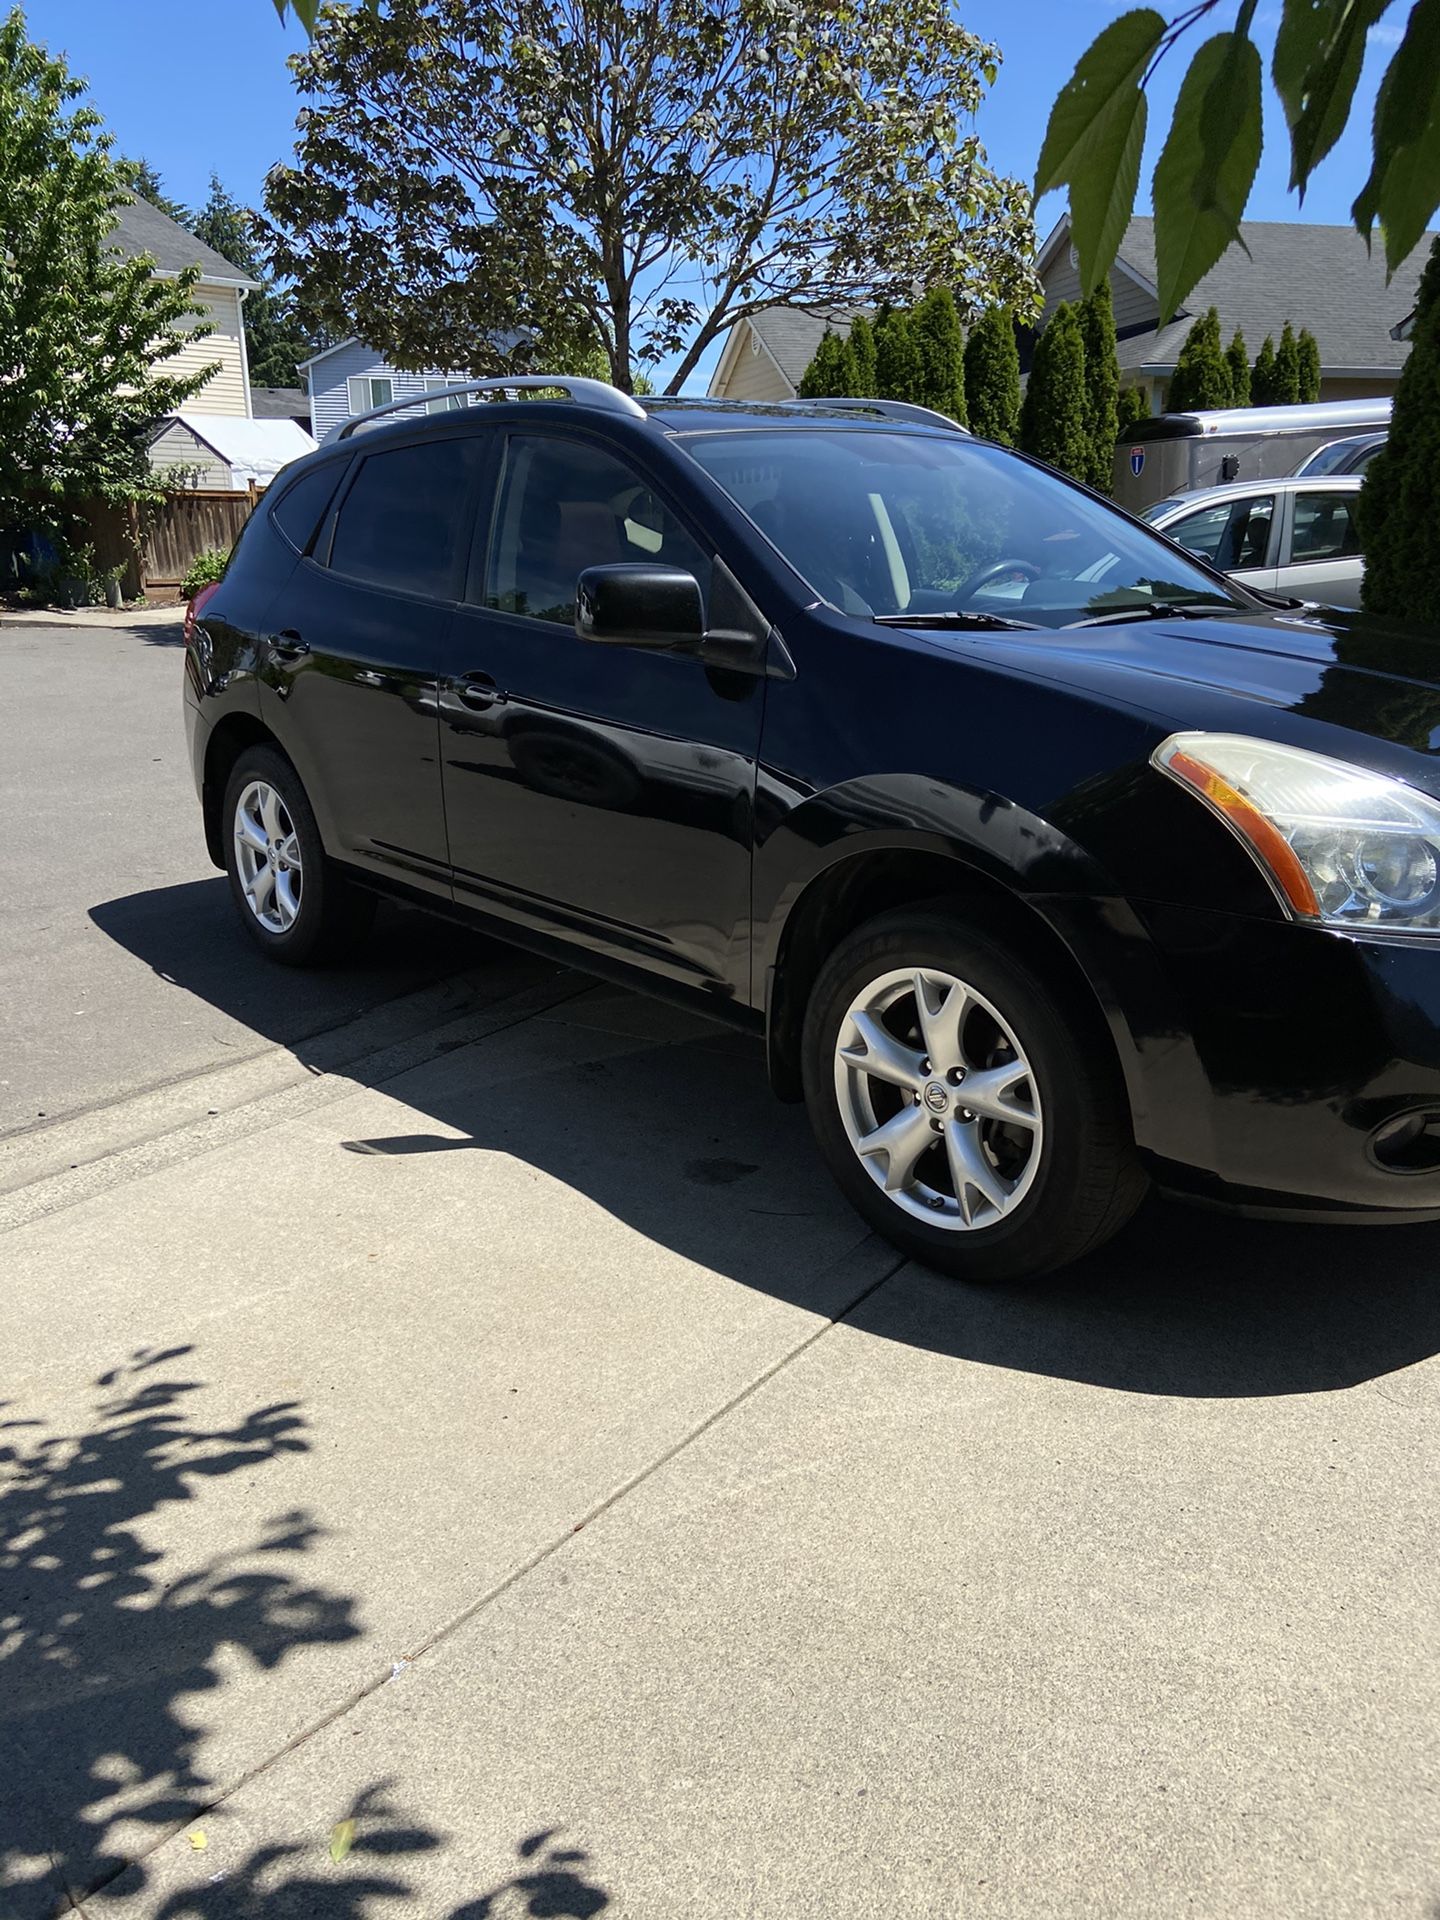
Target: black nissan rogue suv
1046	860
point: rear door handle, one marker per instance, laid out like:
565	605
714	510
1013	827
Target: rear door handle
478	690
288	645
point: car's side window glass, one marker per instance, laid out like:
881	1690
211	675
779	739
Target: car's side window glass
1202	532
297	513
565	505
1247	538
1324	527
402	522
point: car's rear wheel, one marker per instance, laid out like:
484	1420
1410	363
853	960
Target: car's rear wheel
969	1112
291	900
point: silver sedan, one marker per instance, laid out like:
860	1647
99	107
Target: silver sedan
1295	536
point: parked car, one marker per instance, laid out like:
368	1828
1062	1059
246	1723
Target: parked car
1295	536
1048	861
1352	455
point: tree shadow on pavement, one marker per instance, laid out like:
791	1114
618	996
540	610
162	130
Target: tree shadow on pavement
673	1130
103	1648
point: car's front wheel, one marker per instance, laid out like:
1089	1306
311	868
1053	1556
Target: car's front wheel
963	1106
291	901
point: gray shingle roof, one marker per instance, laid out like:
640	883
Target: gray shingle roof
279	403
141	228
1314	276
793	337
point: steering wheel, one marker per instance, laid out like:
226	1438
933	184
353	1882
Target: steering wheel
998	570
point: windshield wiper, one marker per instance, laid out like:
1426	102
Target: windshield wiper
1160	610
955	617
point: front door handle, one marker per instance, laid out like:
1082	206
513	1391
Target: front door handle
478	690
288	645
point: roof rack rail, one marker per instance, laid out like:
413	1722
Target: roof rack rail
585	393
895	409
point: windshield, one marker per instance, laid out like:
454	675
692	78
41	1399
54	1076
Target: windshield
884	524
1329	457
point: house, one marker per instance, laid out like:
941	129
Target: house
766	355
281	403
1319	277
221	451
219	293
350	378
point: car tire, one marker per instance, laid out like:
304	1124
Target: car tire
292	901
1044	1173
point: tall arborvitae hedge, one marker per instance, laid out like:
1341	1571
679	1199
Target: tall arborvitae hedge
831	374
1237	358
940	342
992	378
1287	369
1102	385
898	366
1202	374
862	354
1052	420
1262	375
1309	348
1399	525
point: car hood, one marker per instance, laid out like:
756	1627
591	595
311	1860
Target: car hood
1354	671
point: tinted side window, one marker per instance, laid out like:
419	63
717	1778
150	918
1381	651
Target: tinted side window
1202	532
1324	527
297	513
565	506
402	521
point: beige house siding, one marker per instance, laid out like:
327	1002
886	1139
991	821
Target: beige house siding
1134	307
226	391
1367	387
752	374
178	447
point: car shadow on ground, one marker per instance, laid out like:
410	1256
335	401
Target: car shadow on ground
678	1135
108	1648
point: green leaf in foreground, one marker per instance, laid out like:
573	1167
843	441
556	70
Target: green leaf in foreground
1095	136
1319	50
342	1838
1404	185
1205	172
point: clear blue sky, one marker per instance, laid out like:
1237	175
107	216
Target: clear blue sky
196	86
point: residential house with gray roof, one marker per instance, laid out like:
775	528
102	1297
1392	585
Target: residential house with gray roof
1320	277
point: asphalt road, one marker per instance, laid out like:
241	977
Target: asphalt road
452	1424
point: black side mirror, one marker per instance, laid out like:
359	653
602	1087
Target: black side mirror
634	604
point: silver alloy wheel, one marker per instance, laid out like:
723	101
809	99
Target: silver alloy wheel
267	857
938	1099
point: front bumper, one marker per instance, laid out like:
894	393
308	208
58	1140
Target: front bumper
1308	1045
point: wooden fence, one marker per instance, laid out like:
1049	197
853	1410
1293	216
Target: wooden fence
169	537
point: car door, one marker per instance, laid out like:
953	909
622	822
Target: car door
1240	536
601	793
351	680
1322	559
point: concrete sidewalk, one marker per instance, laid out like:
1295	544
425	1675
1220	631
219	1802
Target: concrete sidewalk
522	1452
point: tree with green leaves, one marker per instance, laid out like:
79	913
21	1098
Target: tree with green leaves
898	366
1399	527
85	335
831	372
1262	375
1202	373
1052	419
1207	166
144	180
1131	407
1237	358
646	173
275	340
862	352
992	378
1287	368
1102	385
940	340
1309	349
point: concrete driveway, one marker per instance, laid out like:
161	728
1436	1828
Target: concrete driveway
451	1423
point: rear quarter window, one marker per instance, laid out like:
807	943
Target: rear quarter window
298	511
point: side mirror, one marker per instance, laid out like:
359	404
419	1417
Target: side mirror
635	604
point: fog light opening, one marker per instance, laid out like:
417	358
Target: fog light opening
1409	1144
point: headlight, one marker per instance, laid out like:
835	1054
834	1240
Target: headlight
1340	846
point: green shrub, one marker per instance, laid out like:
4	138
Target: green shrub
862	356
831	374
1102	386
1262	375
1202	373
940	343
1132	405
1309	348
1288	369
205	569
1398	523
1237	356
1052	421
992	378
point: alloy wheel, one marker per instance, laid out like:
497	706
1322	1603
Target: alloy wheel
267	857
938	1099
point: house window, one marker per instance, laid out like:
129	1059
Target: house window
436	383
370	390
